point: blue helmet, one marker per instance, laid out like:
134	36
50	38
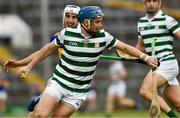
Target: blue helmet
89	13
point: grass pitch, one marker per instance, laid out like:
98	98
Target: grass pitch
118	114
21	111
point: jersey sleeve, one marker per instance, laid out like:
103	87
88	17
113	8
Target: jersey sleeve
53	36
172	24
58	39
110	41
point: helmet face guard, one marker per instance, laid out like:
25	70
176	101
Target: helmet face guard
70	9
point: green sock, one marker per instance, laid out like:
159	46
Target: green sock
171	114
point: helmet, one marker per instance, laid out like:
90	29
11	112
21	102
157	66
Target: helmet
89	13
70	9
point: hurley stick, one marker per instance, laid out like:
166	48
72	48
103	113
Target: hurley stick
118	58
154	110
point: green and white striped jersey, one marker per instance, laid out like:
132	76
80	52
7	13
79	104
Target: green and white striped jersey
79	58
163	27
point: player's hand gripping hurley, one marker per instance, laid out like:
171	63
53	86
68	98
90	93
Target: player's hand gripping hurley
154	110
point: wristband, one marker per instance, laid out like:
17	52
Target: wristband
146	58
142	55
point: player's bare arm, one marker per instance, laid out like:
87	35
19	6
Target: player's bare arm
40	55
22	62
26	60
177	34
43	53
137	53
14	63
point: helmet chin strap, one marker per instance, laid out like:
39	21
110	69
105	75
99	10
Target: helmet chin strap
87	29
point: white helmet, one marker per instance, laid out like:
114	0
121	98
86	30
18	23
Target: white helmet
70	9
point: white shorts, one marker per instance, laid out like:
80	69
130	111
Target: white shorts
91	94
3	95
169	70
117	88
71	99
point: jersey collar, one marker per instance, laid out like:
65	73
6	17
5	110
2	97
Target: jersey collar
158	14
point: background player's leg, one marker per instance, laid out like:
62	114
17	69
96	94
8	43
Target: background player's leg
126	102
110	104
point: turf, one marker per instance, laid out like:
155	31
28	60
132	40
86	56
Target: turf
21	111
120	113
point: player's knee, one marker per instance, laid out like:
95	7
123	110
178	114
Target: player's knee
144	93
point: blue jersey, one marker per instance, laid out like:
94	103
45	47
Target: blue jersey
53	37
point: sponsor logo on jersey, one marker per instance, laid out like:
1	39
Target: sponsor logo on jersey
73	44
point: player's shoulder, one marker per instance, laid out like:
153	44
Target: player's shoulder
106	33
53	36
143	20
169	18
57	33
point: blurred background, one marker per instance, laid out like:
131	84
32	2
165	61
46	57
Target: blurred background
26	25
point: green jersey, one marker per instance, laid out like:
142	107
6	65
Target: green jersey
80	56
162	27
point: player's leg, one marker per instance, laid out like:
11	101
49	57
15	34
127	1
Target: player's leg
110	98
172	93
121	93
126	102
110	104
69	103
32	104
63	110
49	98
91	104
91	100
146	90
3	100
45	105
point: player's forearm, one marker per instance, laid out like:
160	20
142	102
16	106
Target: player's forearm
130	50
26	60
